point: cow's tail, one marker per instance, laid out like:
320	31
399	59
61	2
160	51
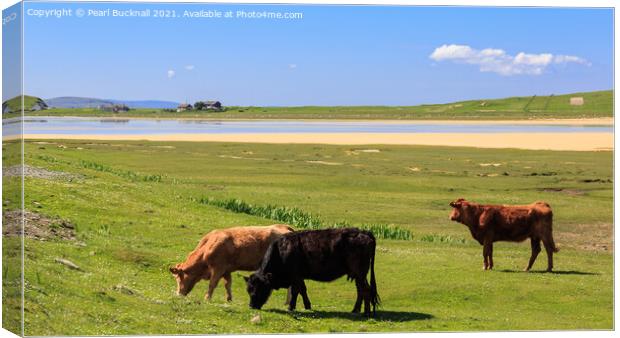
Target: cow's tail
375	300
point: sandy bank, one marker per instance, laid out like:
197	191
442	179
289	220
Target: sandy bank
603	121
535	141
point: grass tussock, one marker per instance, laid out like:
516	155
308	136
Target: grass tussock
303	220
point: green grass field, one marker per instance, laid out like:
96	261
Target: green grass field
136	211
597	104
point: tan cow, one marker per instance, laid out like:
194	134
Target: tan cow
223	251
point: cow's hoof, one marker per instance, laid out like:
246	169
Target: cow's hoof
229	300
526	270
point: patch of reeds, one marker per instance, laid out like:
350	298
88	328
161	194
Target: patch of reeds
303	220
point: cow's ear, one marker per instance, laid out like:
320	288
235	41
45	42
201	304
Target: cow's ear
176	271
457	203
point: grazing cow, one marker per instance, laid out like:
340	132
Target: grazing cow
515	223
221	252
321	255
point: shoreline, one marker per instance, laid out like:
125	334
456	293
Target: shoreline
531	141
604	121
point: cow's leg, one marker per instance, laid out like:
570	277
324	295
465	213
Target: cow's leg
289	294
550	248
490	256
535	251
215	278
358	302
304	295
293	303
487	253
366	296
227	285
485	259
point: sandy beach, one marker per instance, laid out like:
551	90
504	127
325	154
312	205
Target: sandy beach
534	141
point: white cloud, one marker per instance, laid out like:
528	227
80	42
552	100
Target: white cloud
497	61
292	66
171	73
570	58
189	67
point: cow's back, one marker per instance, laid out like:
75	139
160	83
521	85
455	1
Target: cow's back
322	255
518	222
240	248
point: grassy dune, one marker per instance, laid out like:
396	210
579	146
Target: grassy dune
130	228
597	104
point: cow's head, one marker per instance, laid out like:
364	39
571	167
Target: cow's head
459	207
259	288
185	280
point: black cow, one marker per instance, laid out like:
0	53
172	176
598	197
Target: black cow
321	255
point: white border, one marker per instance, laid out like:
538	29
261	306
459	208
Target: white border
495	3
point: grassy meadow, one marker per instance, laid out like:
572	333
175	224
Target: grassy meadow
597	104
136	210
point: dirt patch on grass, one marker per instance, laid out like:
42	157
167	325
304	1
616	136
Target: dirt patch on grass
570	192
36	226
138	257
325	162
591	237
359	151
243	158
596	180
35	172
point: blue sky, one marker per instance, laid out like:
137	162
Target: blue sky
335	55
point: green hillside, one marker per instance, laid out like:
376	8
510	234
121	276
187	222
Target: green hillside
30	102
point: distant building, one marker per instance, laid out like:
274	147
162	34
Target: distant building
576	101
114	108
213	105
184	107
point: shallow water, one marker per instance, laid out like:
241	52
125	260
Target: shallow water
106	126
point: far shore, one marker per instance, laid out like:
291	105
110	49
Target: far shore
534	141
603	121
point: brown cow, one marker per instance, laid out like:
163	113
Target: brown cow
515	223
223	251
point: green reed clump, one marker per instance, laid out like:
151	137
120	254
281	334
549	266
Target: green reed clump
130	175
442	239
303	220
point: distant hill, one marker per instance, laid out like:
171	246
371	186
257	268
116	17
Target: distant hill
155	104
87	102
30	103
76	102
